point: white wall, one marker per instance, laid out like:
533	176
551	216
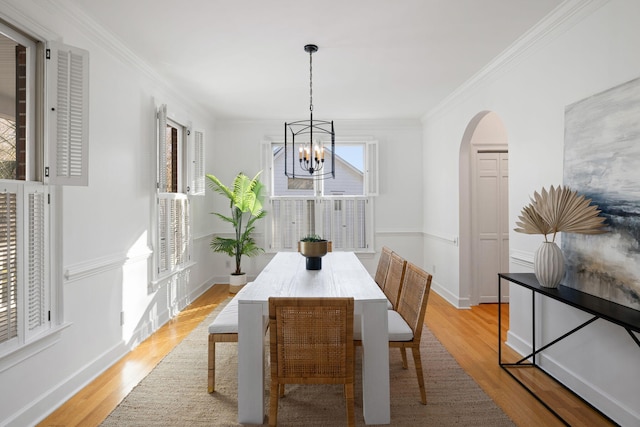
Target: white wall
585	48
105	243
398	223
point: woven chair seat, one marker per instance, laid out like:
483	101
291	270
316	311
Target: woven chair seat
399	329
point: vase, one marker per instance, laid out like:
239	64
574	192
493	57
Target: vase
313	251
548	265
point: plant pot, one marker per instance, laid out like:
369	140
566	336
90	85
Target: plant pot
314	251
236	282
548	265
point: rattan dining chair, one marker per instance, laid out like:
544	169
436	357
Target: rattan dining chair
383	266
395	276
311	343
406	321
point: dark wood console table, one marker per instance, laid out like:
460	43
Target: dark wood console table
599	308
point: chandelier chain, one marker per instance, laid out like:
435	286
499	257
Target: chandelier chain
311	81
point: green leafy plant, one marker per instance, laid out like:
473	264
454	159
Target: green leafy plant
560	209
246	198
312	238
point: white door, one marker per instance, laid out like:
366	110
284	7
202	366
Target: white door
491	230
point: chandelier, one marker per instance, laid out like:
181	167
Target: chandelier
309	136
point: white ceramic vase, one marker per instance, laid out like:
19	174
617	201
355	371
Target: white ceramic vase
548	265
236	282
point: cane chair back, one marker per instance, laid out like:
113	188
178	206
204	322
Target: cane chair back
383	266
311	343
395	277
412	308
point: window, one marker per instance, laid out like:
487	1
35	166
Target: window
39	145
180	173
338	209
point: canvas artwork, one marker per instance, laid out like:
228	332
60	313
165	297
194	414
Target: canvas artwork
602	161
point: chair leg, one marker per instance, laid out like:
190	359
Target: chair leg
417	360
273	404
211	386
403	353
348	393
281	390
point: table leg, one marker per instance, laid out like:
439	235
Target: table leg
375	363
250	363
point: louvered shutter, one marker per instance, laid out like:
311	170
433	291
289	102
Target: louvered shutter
174	232
23	243
67	71
163	231
182	231
196	163
37	291
266	160
344	222
371	168
291	219
162	147
8	265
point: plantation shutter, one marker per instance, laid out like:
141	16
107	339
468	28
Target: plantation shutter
344	222
23	243
291	220
174	233
196	170
67	74
371	168
37	294
267	151
8	265
163	231
182	231
162	148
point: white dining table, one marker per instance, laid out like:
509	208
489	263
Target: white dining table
342	275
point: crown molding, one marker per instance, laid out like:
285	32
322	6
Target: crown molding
562	18
19	19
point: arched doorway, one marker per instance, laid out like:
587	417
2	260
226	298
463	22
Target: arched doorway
484	217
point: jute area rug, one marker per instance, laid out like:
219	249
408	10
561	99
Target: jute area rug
175	392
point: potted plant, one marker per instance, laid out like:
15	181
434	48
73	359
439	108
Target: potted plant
246	197
313	247
559	209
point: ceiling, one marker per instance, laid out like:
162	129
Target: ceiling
377	59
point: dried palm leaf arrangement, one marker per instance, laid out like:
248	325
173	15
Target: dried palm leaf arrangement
560	209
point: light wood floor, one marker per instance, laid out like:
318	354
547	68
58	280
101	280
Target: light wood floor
470	335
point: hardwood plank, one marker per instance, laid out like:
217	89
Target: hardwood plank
470	335
91	405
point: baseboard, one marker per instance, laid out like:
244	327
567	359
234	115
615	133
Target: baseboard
462	303
594	395
41	407
597	397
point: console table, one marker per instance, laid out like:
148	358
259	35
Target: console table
599	308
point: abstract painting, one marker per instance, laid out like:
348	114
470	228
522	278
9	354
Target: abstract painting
602	161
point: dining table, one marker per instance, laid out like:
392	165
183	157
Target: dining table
341	275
